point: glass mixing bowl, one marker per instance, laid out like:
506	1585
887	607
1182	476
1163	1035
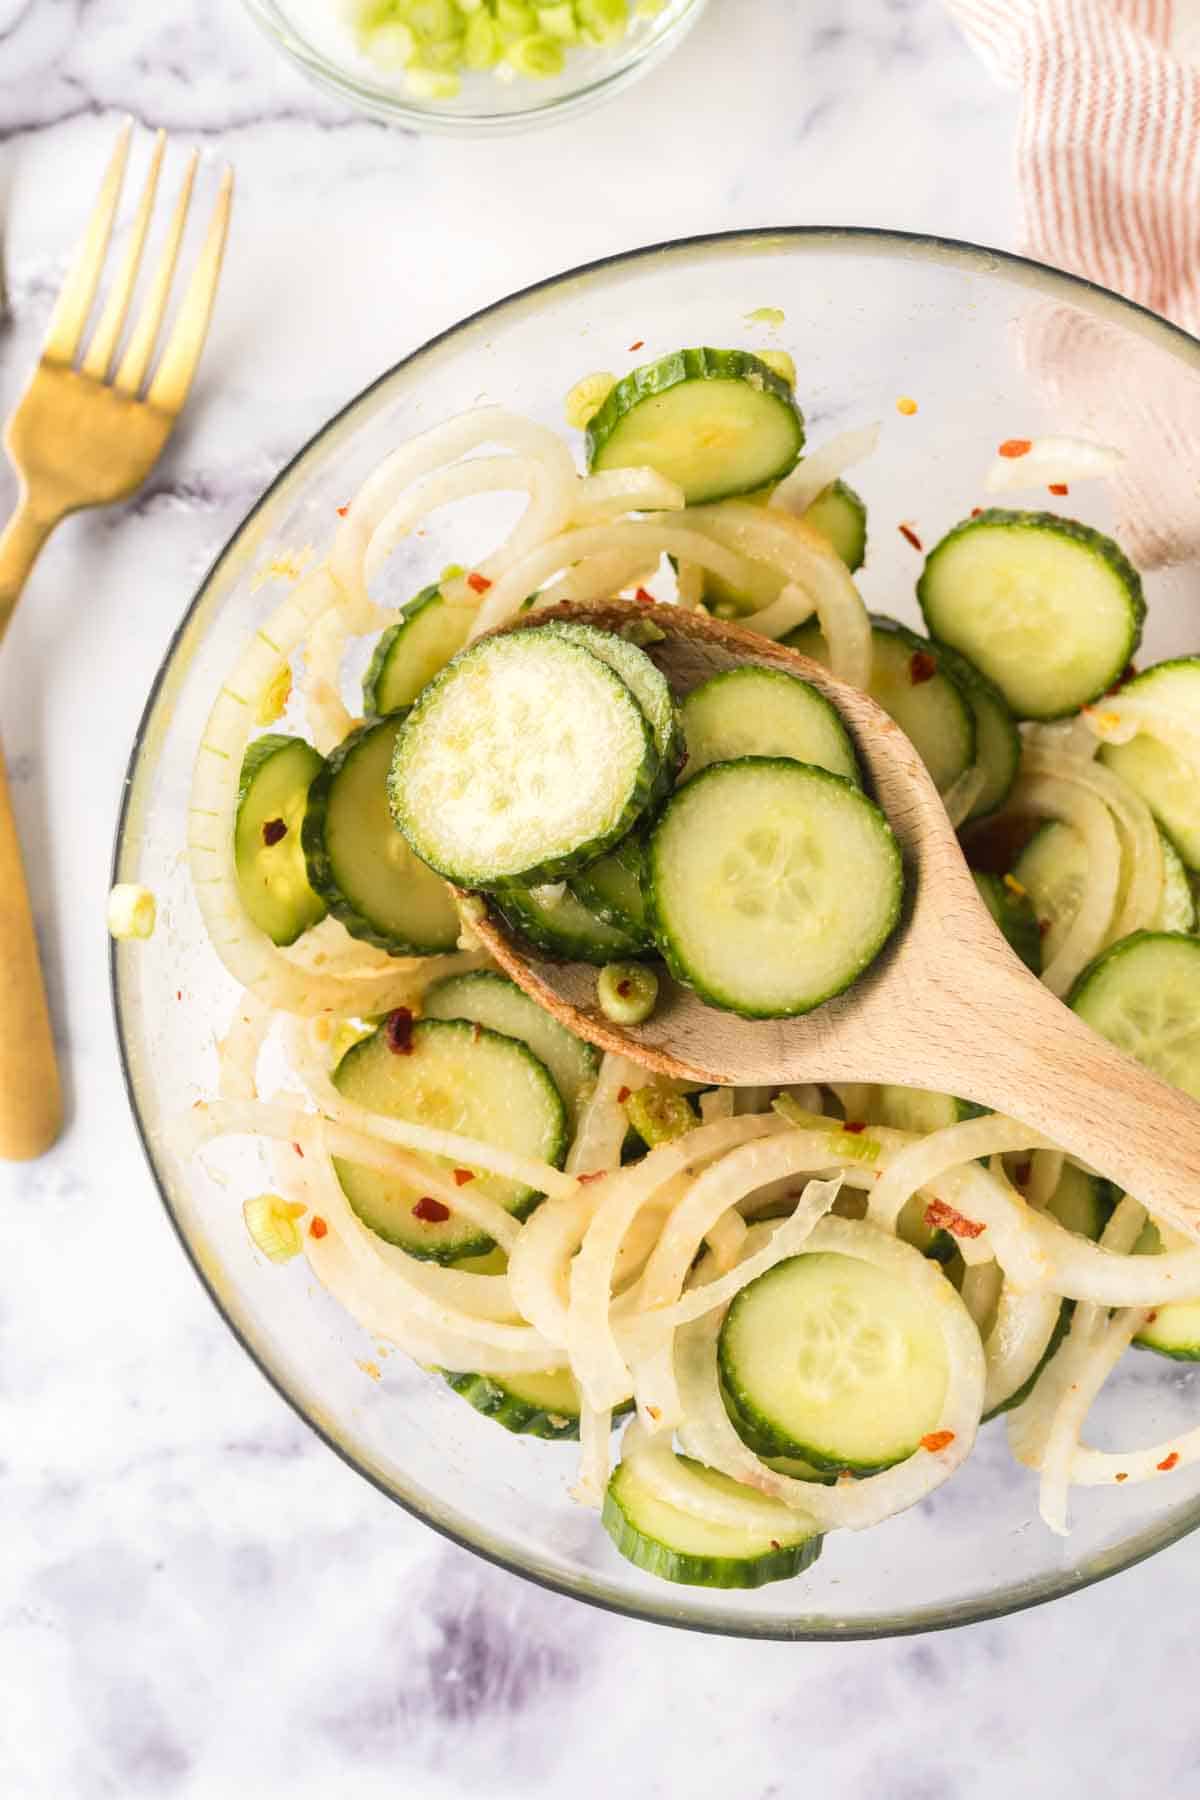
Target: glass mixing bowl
990	347
317	39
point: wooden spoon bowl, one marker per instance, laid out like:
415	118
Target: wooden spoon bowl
947	1005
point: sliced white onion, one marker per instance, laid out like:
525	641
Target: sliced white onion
809	479
1016	1344
1052	459
1143	860
1053	797
962	794
604	1121
595	1454
927	1158
239	1050
792	607
651	1455
611	493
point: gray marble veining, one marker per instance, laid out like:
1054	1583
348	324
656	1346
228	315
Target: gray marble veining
196	1598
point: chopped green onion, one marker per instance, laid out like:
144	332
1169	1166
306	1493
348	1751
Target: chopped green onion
516	17
605	21
271	1222
537	55
482	46
781	363
627	992
392	46
659	1116
559	21
431	41
431	84
132	911
766	315
587	397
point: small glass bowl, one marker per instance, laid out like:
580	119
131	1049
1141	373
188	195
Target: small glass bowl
485	105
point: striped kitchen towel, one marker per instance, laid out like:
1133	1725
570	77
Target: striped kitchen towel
1108	171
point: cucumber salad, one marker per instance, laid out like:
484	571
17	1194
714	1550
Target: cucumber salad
761	1314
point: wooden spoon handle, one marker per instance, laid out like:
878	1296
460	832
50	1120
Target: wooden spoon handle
30	1095
1025	1053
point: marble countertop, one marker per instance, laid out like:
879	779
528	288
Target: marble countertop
196	1598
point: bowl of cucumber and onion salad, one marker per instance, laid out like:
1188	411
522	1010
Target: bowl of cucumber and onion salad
760	1316
470	66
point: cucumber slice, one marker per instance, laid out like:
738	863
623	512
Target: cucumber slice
1081	1203
411	652
1014	915
680	1546
612	889
1174	1331
1047	608
1166	777
553	919
276	774
835	1360
1053	869
455	1077
997	740
485	997
764	712
772	885
522	761
647	684
1026	1388
359	863
544	1404
717	422
839	514
1141	995
909	683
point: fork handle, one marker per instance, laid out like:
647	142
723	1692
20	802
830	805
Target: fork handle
30	1095
20	541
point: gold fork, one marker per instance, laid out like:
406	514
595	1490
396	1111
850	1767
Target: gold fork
85	434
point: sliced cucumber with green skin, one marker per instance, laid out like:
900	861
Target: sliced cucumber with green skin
717	422
997	740
835	1360
612	889
485	997
773	885
360	864
1173	1330
763	1446
524	760
452	1076
1053	870
1061	1324
562	926
1048	609
764	712
411	652
1014	915
909	683
544	1404
277	772
680	1546
647	684
839	514
1166	777
1081	1203
1141	995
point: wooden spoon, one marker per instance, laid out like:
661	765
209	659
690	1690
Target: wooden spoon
948	1005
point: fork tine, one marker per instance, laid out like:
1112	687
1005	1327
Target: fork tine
71	310
173	378
133	365
104	338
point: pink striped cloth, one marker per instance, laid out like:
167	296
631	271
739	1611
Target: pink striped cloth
1108	146
1108	168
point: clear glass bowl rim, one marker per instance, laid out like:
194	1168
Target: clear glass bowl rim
390	106
1074	289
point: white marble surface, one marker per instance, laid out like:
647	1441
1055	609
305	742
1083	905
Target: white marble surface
196	1598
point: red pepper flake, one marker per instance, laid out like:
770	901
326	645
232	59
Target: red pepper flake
317	1227
1023	1174
398	1032
977	512
775	1544
624	988
299	1151
644	597
1014	447
1121	1475
342	511
623	1095
1057	487
937	1440
640	344
1168	1462
431	1211
479	584
937	1213
179	993
476	1033
922	666
854	1126
273	832
907	532
592	1175
462	1176
1043	927
654	1412
1150	1317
